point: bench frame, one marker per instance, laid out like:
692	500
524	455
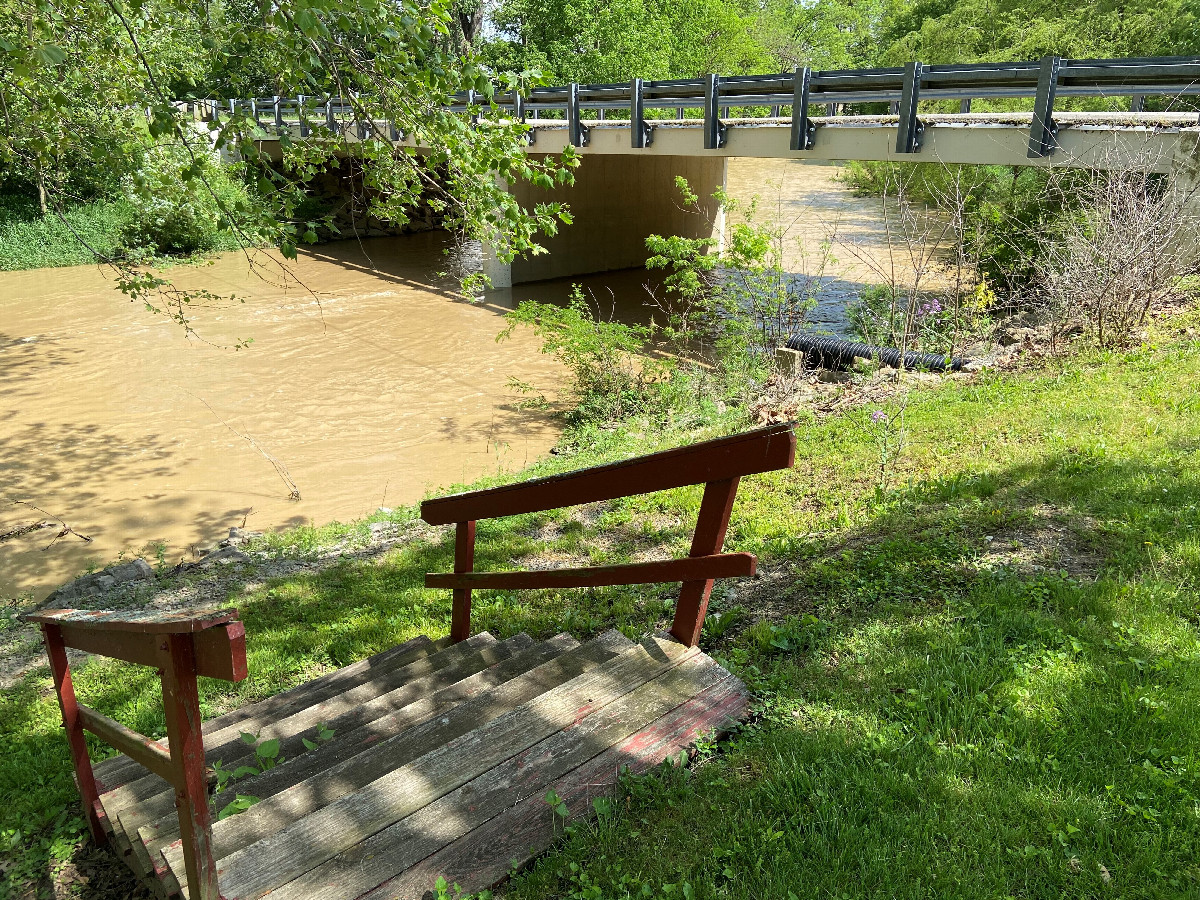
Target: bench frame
184	647
719	465
181	648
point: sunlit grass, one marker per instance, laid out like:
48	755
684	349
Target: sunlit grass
938	714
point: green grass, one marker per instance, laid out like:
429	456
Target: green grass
935	717
30	241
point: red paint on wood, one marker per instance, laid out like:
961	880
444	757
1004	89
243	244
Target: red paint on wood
720	565
181	702
464	561
481	858
711	526
763	450
220	650
138	622
60	672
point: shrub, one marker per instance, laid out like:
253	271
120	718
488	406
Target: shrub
1126	253
180	208
610	376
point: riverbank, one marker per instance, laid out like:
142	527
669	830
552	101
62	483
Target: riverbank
975	678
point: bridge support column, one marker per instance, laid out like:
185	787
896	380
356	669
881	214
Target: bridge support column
1185	175
616	202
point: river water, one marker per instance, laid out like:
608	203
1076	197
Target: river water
368	386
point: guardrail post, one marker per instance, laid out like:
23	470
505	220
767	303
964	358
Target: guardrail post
577	130
330	122
278	109
302	115
964	106
85	779
714	128
804	132
1137	103
1043	131
909	131
181	703
464	561
640	133
709	537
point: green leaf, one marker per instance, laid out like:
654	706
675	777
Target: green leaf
50	54
240	803
308	745
268	749
248	738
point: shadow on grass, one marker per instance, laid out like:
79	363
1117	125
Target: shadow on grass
965	723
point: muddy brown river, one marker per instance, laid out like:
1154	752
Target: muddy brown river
368	386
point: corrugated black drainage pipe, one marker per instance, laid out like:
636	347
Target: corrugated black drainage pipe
834	353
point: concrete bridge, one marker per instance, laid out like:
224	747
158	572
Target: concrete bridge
636	138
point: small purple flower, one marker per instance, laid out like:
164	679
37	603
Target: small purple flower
878	416
928	308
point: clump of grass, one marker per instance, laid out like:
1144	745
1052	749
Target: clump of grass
29	240
981	681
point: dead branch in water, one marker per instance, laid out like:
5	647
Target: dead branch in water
280	468
26	529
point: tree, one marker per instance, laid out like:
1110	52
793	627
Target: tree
91	85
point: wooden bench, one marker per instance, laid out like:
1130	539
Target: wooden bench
442	750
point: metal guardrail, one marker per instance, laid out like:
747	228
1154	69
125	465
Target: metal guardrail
904	88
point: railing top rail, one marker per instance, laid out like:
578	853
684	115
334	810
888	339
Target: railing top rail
153	622
761	450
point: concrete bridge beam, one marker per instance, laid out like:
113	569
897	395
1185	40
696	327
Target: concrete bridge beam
617	202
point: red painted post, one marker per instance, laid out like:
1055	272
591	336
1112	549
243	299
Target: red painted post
708	539
60	671
464	561
181	702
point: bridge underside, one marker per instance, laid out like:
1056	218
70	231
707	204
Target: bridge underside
623	194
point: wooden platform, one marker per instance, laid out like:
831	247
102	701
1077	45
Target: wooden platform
439	764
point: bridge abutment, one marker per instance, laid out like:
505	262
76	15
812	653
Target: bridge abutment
616	203
1185	175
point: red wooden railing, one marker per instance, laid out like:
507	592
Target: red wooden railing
719	465
181	648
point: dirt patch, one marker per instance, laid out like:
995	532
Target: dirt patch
92	873
1048	542
205	585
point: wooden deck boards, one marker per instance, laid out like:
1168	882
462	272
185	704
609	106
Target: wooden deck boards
438	765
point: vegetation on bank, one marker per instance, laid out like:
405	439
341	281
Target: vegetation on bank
978	681
152	222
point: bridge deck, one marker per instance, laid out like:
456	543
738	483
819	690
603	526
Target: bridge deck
439	762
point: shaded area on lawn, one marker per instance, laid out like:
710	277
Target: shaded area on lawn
940	713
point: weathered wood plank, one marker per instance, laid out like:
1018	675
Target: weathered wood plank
392	850
762	450
482	858
287	807
717	565
292	732
305	844
138	747
142	622
120	769
226	744
352	743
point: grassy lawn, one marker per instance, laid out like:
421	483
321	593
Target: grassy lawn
982	681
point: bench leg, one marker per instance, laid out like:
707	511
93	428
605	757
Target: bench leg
65	688
708	539
181	702
464	561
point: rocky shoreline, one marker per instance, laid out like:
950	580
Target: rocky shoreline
242	561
